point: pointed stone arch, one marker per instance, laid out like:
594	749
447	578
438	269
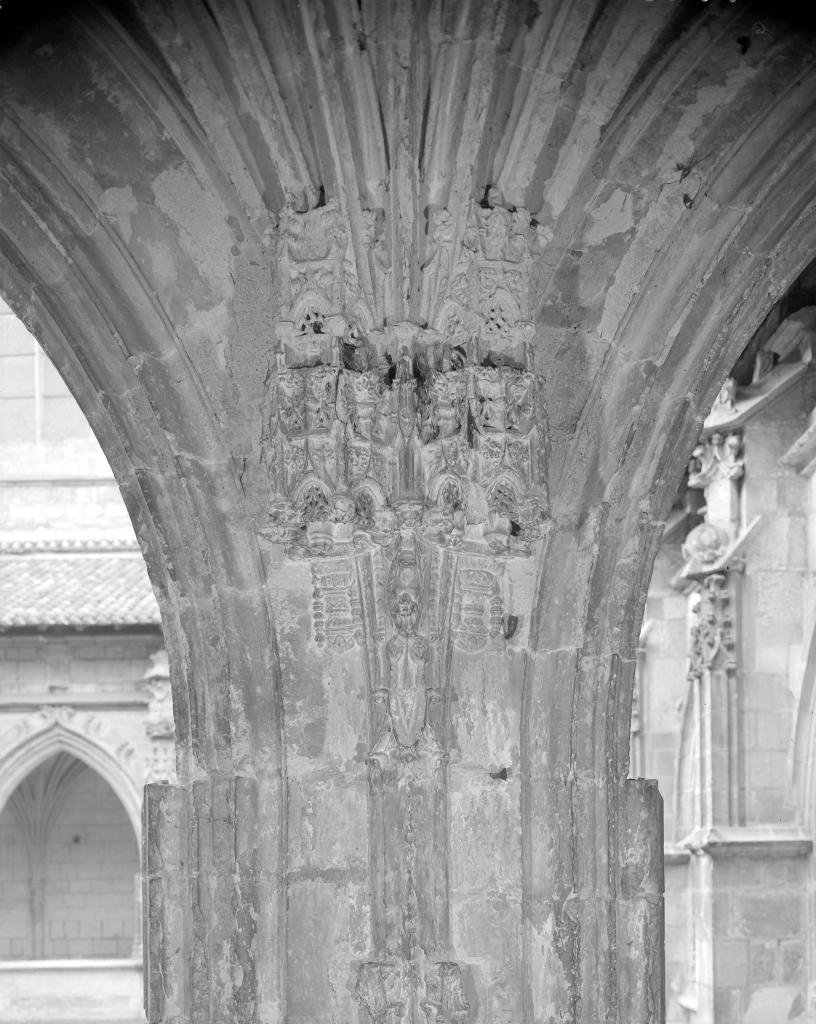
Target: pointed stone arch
446	484
145	159
51	730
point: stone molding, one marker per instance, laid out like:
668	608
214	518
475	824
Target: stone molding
772	376
31	545
769	841
74	964
675	853
801	455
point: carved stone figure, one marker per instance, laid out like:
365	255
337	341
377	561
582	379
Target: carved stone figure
726	399
445	1000
718	458
372	992
159	725
405	693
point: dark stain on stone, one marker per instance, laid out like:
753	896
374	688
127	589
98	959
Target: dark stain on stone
510	622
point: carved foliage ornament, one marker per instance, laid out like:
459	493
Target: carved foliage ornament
712	633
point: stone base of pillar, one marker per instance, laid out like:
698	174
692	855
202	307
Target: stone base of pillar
640	911
201	898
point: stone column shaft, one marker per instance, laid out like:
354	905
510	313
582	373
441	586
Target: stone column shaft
205	887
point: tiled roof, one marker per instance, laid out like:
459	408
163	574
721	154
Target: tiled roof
75	589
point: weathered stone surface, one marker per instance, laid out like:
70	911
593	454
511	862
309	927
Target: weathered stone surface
739	877
398	327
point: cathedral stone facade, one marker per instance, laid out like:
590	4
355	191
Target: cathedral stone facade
724	693
398	323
